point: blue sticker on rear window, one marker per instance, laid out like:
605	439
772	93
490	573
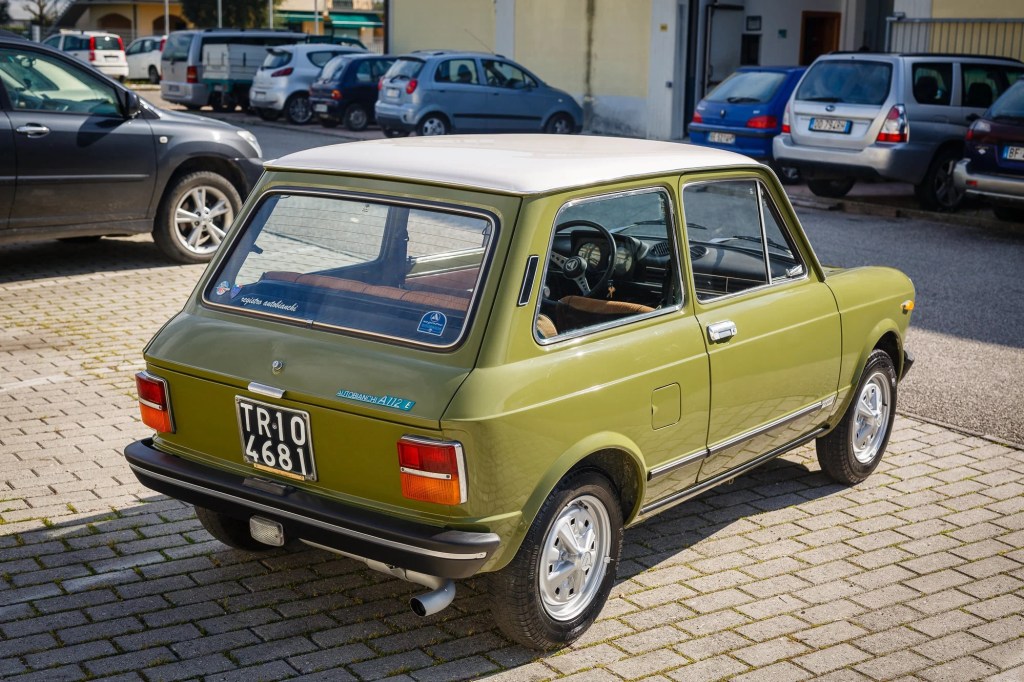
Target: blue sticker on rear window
433	323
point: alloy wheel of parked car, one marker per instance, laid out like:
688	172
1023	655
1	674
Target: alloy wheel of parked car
154	75
194	215
557	583
356	117
852	450
432	124
297	109
832	189
559	124
937	191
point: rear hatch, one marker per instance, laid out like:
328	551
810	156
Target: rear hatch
329	78
841	103
333	327
277	64
996	142
401	80
107	50
174	59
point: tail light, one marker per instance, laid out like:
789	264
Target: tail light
979	131
335	94
120	44
697	118
92	48
895	127
287	71
154	402
192	74
785	120
380	83
432	470
163	41
411	86
763	122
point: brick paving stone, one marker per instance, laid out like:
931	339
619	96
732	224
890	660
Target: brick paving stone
831	658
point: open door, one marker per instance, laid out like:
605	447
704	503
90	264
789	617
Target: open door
819	34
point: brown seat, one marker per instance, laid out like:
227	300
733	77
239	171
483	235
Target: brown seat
574	312
427	299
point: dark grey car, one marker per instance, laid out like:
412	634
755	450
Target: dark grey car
440	91
82	156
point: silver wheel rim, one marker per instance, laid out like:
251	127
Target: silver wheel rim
433	126
871	419
357	117
573	558
299	110
945	191
561	126
201	218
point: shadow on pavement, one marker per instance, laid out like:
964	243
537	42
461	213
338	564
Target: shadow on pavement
50	259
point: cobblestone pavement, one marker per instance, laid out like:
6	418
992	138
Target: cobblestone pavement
918	573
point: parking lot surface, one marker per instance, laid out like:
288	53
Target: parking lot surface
917	573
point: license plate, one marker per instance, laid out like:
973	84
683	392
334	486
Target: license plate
722	138
276	439
321	108
258	94
391	92
218	88
1014	154
830	125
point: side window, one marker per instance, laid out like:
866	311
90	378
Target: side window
932	83
984	83
505	75
456	71
380	67
735	233
37	82
321	58
364	72
612	259
52	41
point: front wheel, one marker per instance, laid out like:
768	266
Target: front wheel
297	109
852	450
154	75
832	189
559	124
267	114
559	580
195	213
937	192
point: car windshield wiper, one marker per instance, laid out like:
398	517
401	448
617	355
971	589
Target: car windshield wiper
823	98
739	100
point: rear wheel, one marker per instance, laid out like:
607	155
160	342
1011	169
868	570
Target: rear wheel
394	132
356	117
937	191
832	189
154	75
559	580
852	450
229	530
195	213
268	114
297	109
433	124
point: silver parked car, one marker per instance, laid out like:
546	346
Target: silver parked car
437	92
282	82
888	116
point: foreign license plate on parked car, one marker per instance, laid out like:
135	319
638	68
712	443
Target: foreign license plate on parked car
722	138
391	92
320	108
1014	154
830	125
276	439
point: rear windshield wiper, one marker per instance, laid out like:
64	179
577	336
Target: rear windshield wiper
741	100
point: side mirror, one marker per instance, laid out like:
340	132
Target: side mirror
130	104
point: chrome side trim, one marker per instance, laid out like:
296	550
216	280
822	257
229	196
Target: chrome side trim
750	435
704	486
394	544
676	464
263	389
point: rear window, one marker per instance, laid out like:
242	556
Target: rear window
275	59
1009	107
747	87
405	68
107	42
177	46
847	82
398	272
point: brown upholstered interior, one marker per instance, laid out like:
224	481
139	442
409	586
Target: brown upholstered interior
430	299
573	312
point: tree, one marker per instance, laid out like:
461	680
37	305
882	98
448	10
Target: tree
5	14
234	13
42	12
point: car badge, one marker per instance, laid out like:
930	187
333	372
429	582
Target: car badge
830	107
277	367
722	113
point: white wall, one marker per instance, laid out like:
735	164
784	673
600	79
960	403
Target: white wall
785	15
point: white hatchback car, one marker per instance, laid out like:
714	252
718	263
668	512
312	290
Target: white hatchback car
143	56
282	83
105	51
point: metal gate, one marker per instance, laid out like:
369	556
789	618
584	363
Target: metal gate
989	37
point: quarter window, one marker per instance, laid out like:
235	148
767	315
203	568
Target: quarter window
456	71
736	238
984	83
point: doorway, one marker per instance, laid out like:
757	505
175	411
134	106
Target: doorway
819	34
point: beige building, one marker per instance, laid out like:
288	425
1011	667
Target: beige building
129	19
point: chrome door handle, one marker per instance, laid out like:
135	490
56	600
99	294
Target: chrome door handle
721	331
32	130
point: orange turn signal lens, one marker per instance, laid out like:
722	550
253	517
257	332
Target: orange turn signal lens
153	402
907	305
431	470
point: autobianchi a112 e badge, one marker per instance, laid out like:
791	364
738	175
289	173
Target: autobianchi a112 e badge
397	403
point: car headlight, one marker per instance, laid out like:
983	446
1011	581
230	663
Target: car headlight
251	139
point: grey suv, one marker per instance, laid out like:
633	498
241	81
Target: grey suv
888	116
440	91
82	157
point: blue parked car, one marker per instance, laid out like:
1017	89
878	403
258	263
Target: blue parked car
744	112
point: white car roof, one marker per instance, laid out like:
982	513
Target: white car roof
516	164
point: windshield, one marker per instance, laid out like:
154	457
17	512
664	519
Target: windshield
177	46
405	68
393	271
1010	105
849	82
747	86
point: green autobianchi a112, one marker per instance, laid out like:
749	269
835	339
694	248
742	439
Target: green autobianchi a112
461	355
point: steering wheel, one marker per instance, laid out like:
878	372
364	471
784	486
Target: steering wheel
574	268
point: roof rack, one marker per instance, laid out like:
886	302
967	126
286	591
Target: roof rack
954	55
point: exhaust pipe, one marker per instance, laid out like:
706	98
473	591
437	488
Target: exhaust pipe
431	602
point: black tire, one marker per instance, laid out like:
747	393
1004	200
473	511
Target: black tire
831	189
154	75
329	122
394	132
1014	214
433	124
852	450
788	175
560	124
222	102
297	109
229	530
937	192
356	117
545	614
193	107
197	240
268	114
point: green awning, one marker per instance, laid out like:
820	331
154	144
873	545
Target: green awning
337	19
